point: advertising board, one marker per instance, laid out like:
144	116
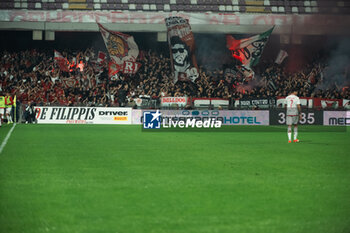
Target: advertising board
237	117
82	115
336	118
308	117
168	101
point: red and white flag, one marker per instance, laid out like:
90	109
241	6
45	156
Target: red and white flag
121	47
57	55
113	68
281	56
101	58
128	67
330	103
61	61
131	67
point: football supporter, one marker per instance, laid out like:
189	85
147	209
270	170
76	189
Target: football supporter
29	114
35	76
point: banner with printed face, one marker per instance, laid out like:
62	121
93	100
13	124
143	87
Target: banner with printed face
121	48
83	115
182	49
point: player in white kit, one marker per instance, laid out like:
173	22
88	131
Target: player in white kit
293	115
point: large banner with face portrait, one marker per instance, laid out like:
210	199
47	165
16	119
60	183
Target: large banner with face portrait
122	50
182	49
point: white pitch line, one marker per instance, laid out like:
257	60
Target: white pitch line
3	144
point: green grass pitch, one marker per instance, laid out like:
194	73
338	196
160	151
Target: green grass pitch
118	179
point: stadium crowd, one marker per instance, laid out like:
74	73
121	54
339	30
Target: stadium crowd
35	76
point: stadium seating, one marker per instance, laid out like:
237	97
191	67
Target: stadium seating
223	6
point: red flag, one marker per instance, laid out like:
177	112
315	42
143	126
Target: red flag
129	67
61	61
232	43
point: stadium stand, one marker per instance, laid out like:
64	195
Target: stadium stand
26	75
228	6
92	86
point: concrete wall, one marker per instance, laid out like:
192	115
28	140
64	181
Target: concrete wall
154	22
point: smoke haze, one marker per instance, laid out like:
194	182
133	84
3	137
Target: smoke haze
211	51
337	64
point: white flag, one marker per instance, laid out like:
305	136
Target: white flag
281	56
